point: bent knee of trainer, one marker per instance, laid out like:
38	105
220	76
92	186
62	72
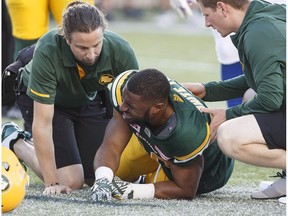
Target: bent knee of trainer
75	184
224	139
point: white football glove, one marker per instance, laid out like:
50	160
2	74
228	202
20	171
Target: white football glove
101	190
182	7
121	189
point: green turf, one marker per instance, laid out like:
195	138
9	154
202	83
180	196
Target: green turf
181	57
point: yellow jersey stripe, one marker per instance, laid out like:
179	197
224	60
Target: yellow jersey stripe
40	94
204	145
116	88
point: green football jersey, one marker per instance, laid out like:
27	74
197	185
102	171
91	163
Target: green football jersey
188	138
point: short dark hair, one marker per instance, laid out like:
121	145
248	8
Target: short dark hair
81	17
150	84
237	4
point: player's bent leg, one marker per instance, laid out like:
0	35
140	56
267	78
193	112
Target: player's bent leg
72	176
135	161
19	141
27	24
241	139
26	153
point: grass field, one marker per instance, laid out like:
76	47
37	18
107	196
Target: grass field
185	57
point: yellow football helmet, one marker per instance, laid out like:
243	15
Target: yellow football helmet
14	181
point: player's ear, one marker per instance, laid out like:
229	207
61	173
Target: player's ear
158	107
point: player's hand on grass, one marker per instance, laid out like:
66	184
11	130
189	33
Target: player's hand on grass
121	189
57	189
101	190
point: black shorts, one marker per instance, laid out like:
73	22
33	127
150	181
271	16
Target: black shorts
273	128
77	132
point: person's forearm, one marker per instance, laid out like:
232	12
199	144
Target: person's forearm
115	140
105	158
169	190
224	90
44	149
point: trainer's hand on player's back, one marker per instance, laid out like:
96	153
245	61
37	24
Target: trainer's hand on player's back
57	189
218	117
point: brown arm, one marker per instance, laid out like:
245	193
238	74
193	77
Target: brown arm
116	137
185	184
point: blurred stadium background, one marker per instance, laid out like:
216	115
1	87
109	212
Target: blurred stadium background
183	50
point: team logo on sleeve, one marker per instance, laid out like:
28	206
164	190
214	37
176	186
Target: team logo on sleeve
106	79
177	98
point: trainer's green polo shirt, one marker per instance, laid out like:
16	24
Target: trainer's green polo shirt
261	45
53	76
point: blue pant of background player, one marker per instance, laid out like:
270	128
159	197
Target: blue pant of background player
228	72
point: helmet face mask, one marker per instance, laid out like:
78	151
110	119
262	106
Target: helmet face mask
14	181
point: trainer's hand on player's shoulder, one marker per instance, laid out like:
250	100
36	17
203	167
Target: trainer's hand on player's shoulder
197	89
101	190
57	189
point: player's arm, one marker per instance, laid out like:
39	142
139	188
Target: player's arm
184	185
107	158
186	181
117	135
